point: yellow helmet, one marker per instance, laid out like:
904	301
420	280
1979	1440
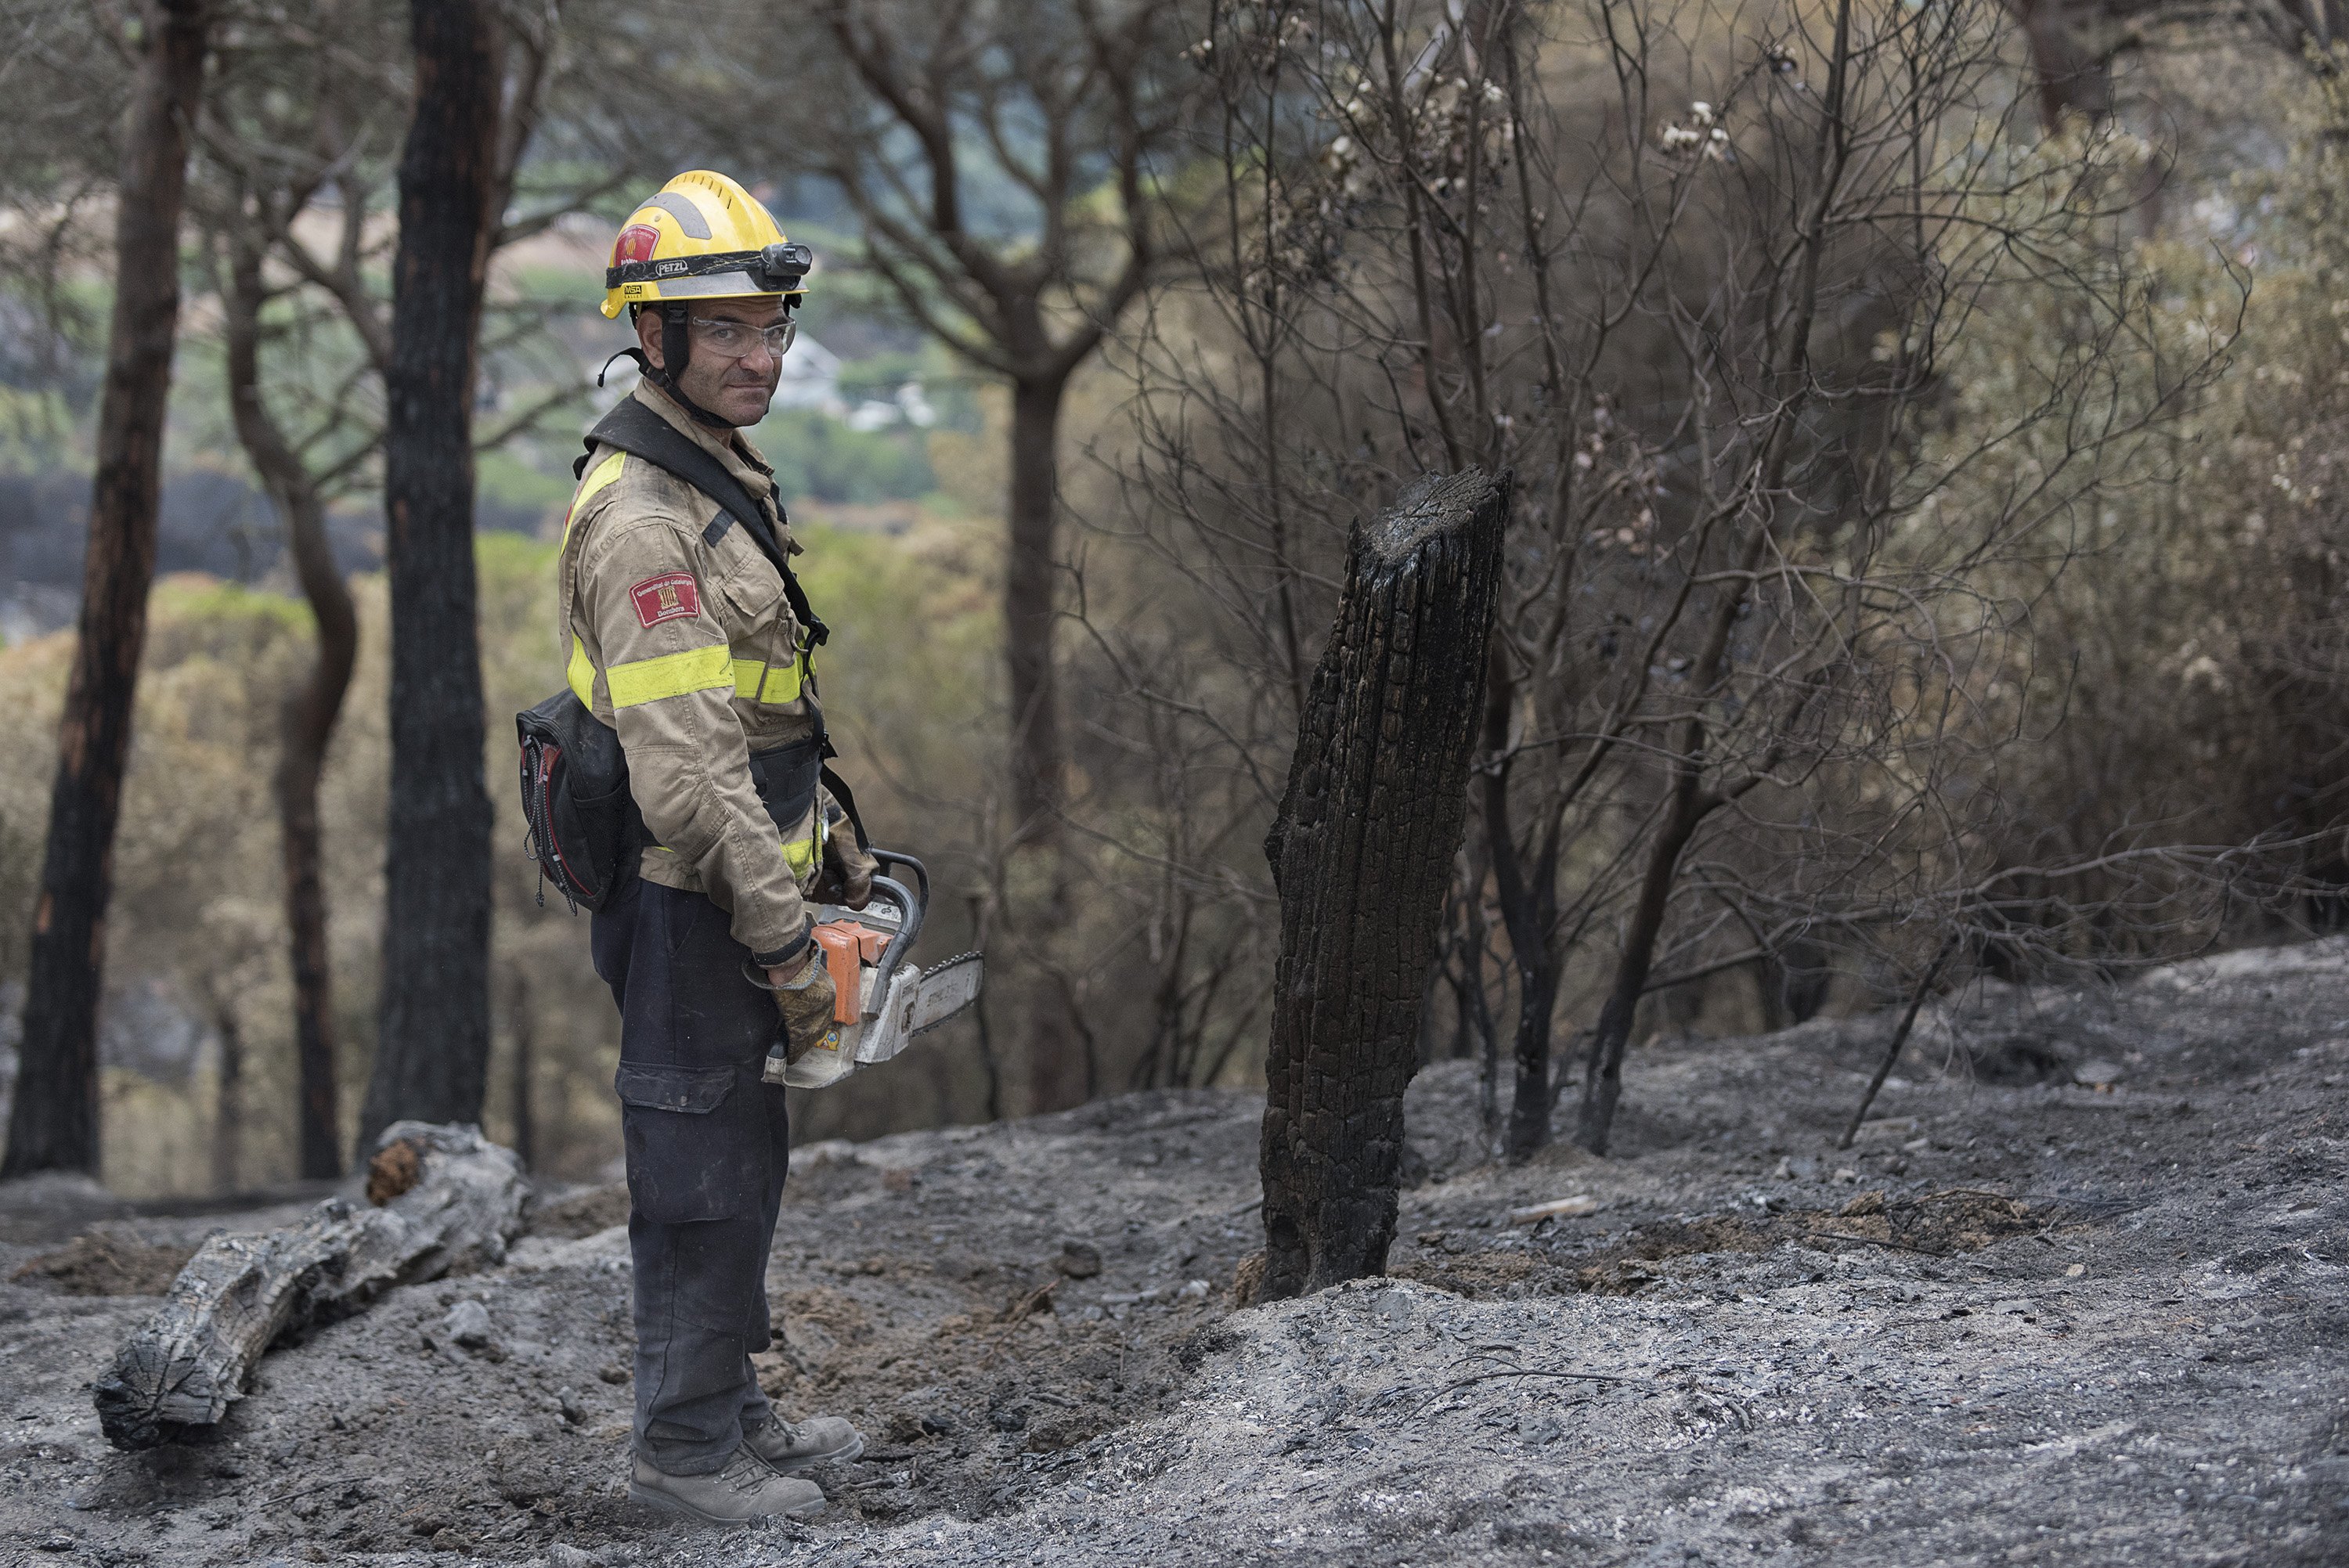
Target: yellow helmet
702	237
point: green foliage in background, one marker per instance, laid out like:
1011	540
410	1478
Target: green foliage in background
523	483
815	454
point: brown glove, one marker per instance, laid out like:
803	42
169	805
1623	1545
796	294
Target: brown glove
806	1002
847	869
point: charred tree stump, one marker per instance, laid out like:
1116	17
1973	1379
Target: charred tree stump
1360	852
441	1196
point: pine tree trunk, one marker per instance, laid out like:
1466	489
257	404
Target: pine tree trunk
1527	883
1360	852
1063	1067
1602	1086
1531	1099
433	1036
53	1123
1029	599
307	721
521	1025
228	1103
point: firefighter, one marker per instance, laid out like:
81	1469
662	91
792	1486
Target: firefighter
684	628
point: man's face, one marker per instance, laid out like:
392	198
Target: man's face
737	387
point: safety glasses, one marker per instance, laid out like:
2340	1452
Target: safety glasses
736	339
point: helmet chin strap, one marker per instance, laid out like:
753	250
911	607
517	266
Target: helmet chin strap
676	345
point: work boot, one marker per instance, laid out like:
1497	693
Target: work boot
790	1445
745	1489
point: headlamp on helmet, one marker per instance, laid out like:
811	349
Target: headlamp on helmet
778	269
783	267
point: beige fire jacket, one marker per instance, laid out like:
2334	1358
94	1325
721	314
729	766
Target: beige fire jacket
690	650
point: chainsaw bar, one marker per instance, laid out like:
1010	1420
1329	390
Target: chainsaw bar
944	990
890	1002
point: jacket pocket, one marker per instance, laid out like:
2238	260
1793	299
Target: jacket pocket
693	1154
753	591
768	667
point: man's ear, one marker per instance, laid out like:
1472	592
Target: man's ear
648	336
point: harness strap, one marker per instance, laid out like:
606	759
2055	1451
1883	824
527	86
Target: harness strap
640	432
847	799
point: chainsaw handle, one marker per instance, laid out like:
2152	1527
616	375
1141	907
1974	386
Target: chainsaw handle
902	896
912	905
921	877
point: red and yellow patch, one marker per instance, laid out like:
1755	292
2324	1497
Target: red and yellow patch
637	244
671	596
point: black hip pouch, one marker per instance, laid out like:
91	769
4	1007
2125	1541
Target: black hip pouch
585	832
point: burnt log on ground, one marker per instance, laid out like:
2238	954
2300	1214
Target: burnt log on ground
1362	852
438	1198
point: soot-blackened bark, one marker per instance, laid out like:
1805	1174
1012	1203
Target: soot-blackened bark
432	1044
1602	1085
1360	853
307	721
228	1099
1063	1069
1526	881
1028	611
53	1123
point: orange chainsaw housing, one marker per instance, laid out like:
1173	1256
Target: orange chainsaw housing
847	946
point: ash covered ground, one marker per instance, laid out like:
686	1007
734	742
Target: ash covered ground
2079	1295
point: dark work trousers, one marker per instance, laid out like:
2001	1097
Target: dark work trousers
708	1148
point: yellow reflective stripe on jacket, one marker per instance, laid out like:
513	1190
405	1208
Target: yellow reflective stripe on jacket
752	679
581	673
603	474
800	854
671	675
760	682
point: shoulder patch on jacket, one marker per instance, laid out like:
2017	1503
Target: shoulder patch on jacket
670	596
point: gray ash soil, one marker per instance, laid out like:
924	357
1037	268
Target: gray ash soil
2078	1296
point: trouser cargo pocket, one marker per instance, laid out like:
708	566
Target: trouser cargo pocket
688	1159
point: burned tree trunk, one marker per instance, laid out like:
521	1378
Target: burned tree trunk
228	1101
432	1046
1526	883
1028	578
307	721
443	1196
1360	852
53	1123
521	1025
1603	1072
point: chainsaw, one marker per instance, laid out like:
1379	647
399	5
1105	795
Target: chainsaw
882	1001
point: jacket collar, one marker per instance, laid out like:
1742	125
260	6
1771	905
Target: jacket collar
737	455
